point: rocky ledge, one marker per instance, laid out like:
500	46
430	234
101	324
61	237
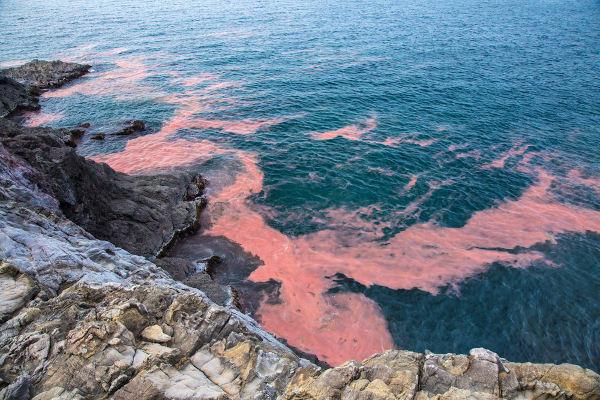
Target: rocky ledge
44	75
84	318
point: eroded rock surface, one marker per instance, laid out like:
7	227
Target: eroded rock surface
139	214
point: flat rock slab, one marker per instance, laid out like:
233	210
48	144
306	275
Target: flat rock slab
46	74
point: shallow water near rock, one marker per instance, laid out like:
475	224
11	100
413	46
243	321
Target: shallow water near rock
419	175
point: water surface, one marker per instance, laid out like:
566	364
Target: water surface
416	174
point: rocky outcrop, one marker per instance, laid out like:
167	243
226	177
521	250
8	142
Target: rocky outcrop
15	97
82	318
21	86
141	214
42	74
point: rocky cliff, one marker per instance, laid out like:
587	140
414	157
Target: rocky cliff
85	318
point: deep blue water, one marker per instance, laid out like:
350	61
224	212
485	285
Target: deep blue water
462	82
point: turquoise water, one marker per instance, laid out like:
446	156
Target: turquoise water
382	124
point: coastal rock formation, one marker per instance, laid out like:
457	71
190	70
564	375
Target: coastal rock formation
82	318
42	74
15	97
139	214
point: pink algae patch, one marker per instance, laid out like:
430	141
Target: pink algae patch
515	151
198	79
476	154
350	132
34	119
343	326
411	183
240	127
395	142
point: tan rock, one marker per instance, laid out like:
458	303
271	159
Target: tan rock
154	333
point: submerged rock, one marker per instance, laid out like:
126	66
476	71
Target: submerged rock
46	74
131	127
98	136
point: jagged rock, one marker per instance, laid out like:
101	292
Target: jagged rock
154	333
17	390
131	127
46	74
390	375
98	136
549	381
476	372
141	214
16	97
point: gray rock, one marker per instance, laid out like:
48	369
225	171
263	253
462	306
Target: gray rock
15	97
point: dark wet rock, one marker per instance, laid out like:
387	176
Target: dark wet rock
20	86
195	275
131	127
15	97
77	133
98	136
46	74
141	214
85	125
229	264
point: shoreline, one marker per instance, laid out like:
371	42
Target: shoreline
49	207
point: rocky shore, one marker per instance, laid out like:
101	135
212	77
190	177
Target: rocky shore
89	309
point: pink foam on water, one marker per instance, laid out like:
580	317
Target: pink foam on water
124	81
34	119
350	132
240	127
515	151
476	154
155	152
198	79
381	171
222	85
411	183
395	142
427	256
454	147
